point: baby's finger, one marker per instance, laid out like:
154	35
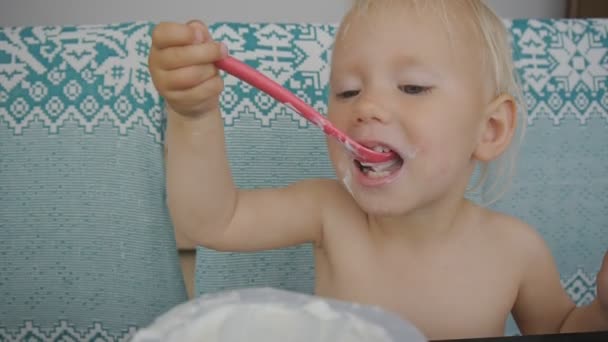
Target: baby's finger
189	77
168	34
183	56
602	283
604	268
200	30
206	92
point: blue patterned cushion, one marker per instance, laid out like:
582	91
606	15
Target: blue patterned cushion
86	246
269	145
562	173
560	187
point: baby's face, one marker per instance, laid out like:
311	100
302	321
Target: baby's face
400	81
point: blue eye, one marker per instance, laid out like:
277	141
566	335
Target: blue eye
348	94
414	89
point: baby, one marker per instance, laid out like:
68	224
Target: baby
433	82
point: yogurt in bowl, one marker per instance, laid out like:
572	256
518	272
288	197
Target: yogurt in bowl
271	315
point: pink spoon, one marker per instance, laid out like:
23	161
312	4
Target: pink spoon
246	73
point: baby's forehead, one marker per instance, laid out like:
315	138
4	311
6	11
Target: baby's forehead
438	27
445	35
455	20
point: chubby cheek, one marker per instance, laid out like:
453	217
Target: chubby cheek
435	159
333	114
443	159
441	169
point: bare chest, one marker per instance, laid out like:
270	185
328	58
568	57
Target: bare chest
445	297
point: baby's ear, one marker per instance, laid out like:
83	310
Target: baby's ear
497	128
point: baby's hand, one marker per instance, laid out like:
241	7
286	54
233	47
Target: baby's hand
602	286
181	65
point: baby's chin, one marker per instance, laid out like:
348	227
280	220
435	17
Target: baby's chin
379	205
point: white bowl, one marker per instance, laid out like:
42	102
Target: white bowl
271	315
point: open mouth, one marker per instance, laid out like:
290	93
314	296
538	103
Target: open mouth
380	170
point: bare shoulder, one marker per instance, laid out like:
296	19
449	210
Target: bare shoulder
541	303
330	193
337	207
322	188
519	238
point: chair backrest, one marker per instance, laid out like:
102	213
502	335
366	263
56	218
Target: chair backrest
269	145
562	176
561	184
87	249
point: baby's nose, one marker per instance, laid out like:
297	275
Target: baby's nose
369	111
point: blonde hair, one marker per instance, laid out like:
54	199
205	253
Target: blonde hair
497	59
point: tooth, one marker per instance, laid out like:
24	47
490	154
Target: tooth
378	148
379	166
386	165
377	174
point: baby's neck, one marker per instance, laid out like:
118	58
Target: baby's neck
433	223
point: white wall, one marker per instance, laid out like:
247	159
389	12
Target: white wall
58	12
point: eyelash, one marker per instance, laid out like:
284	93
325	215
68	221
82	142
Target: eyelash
348	94
406	88
418	89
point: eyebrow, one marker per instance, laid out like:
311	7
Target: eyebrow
409	60
407	63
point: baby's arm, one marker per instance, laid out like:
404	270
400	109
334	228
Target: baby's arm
204	204
542	304
595	315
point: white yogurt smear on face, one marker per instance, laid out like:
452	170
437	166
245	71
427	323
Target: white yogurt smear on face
347	180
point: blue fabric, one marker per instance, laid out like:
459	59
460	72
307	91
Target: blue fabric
561	182
562	170
86	244
269	145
